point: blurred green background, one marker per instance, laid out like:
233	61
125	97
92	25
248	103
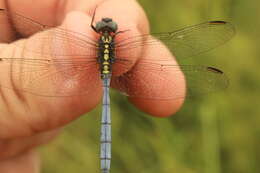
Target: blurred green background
217	133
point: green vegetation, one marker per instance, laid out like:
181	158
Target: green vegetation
218	133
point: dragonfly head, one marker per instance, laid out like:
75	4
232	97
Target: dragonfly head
106	25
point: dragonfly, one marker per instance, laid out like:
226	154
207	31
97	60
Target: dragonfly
101	57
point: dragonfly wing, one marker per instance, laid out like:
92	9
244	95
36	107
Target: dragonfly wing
157	81
53	41
186	42
50	77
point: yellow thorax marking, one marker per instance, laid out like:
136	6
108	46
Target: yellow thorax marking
106	39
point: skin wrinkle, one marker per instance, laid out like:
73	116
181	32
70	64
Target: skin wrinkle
36	128
39	125
13	28
4	100
18	93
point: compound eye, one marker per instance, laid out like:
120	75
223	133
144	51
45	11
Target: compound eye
113	26
99	26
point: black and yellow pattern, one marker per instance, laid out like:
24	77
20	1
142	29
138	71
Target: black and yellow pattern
106	54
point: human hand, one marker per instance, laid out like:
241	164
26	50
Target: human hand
28	120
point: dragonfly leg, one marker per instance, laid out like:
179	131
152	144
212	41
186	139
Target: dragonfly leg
120	32
92	21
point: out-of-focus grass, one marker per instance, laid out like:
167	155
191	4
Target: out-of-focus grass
218	133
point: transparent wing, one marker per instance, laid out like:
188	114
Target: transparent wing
54	77
50	77
52	42
49	72
157	81
186	42
157	78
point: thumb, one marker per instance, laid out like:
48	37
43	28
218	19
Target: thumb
47	80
